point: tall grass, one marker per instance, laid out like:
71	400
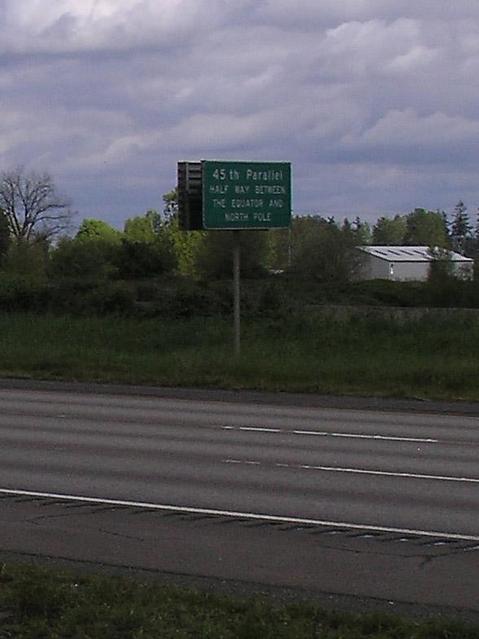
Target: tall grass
430	357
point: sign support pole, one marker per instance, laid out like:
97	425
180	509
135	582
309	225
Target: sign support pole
236	290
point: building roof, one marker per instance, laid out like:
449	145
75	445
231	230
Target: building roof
409	254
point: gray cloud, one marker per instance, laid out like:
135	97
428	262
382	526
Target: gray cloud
375	103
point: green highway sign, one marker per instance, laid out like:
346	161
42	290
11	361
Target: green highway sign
246	195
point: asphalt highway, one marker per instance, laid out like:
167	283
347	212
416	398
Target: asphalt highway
406	475
412	472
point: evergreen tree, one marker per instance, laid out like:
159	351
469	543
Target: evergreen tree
362	231
445	221
460	227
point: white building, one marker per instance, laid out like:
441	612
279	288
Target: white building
401	263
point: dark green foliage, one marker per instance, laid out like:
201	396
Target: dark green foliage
324	252
91	261
77	297
390	232
5	236
214	255
141	259
425	228
20	293
461	229
26	259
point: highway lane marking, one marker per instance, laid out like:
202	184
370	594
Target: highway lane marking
253	429
319	433
355	471
238	514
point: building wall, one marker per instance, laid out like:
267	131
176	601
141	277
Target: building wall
374	268
377	268
416	271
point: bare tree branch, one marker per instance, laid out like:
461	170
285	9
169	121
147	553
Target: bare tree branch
32	205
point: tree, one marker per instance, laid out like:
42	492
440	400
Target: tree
4	235
147	250
362	231
27	260
81	260
139	259
425	228
98	230
143	228
186	244
460	227
32	205
324	252
390	232
99	239
214	255
279	249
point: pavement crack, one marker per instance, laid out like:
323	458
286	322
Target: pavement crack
119	534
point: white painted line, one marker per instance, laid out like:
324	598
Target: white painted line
260	430
361	471
319	433
356	436
238	514
358	471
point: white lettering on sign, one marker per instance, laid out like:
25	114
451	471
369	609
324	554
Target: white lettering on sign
241	203
223	174
269	190
276	204
219	188
262	217
241	190
264	176
219	174
219	203
237	217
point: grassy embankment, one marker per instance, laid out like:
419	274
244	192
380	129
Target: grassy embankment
430	358
37	603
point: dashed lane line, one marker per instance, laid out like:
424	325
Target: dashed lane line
354	471
319	433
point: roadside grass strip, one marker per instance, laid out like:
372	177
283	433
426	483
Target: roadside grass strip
38	603
427	358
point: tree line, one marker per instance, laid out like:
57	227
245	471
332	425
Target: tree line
36	241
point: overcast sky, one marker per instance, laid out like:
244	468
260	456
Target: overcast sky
375	102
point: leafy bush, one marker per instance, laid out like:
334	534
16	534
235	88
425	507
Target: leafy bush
20	293
91	261
82	298
139	259
24	259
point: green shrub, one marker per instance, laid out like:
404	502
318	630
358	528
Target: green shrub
90	261
23	293
83	298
